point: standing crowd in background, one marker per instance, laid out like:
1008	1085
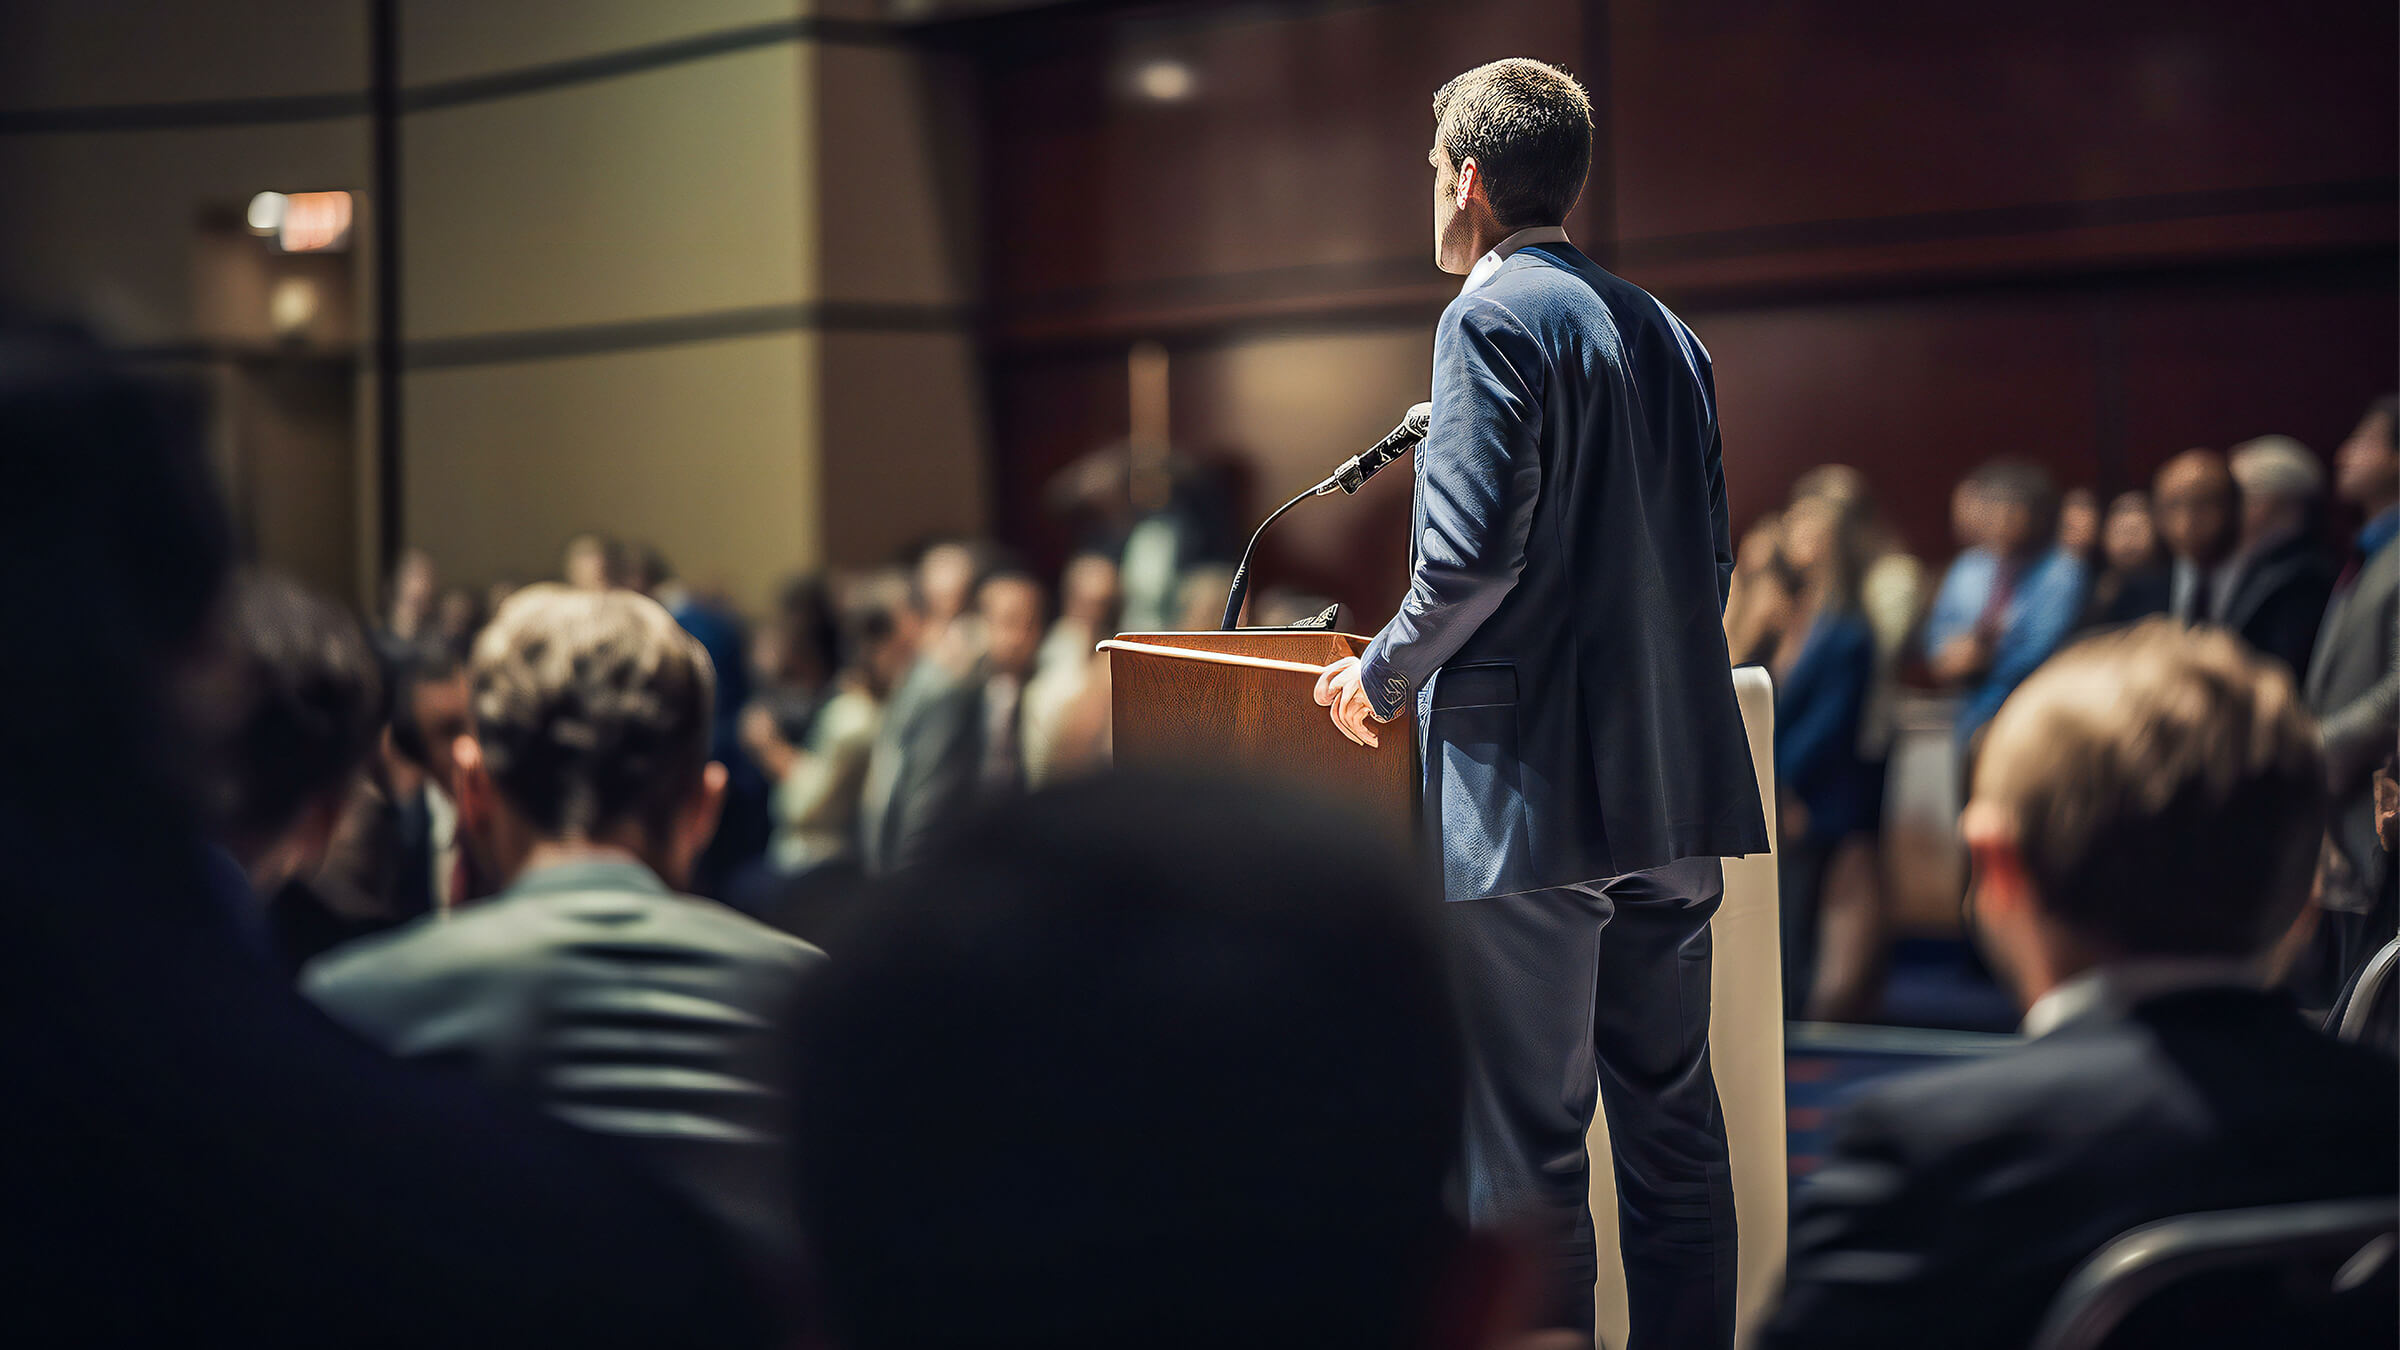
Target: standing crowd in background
2243	541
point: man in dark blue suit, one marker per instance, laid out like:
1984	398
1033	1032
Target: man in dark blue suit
1585	762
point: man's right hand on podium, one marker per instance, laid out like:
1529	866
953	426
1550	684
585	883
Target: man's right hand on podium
1340	689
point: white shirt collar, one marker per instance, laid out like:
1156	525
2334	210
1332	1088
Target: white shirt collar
2118	987
1490	262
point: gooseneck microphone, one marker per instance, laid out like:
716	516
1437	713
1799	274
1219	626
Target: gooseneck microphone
1353	471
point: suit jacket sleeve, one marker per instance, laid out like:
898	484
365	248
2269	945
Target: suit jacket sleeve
2360	733
1479	473
1863	1270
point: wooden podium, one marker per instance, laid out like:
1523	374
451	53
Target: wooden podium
1246	700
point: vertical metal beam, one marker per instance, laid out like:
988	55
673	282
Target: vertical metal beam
384	99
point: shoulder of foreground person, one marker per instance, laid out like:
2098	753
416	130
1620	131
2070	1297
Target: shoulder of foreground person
1960	1199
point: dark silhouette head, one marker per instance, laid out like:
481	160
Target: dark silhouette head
115	548
1134	1063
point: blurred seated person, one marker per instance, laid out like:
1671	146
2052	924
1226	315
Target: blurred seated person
396	853
1852	924
1758	600
200	1156
817	783
2144	824
586	782
1213	1092
2132	583
1200	599
410	602
2079	526
2010	599
1823	678
953	730
2199	510
2287	574
1061	736
310	700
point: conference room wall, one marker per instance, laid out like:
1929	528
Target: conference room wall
701	449
602	182
1914	236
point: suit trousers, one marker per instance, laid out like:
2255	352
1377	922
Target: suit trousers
1602	991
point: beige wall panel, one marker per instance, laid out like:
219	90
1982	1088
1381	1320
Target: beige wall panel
895	165
107	221
455	39
905	443
82	53
668	192
700	449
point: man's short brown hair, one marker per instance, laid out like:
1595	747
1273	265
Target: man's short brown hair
592	709
1528	127
2167	790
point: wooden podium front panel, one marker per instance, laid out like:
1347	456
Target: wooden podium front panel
1246	701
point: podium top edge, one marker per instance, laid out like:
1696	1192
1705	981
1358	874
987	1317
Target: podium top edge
1208	657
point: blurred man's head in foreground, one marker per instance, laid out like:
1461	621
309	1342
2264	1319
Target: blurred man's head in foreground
590	727
117	549
2153	792
2198	508
311	700
1137	1063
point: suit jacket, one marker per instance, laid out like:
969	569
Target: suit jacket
2279	601
926	765
592	991
1956	1202
2353	687
1562	634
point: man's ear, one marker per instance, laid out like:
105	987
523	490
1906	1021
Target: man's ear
2002	884
474	785
696	824
1470	180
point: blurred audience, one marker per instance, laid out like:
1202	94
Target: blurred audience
2010	599
2354	689
588	986
1066	715
953	731
819	782
201	1156
1214	1092
2286	573
2144	824
2132	581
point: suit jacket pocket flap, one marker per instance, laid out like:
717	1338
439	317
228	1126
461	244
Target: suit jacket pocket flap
1489	686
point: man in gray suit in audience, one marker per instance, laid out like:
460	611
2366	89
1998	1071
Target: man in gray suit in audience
2354	690
589	986
954	731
